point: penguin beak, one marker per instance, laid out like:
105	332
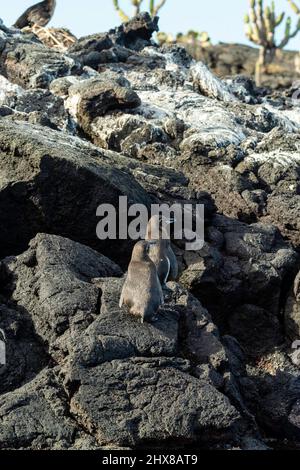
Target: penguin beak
171	221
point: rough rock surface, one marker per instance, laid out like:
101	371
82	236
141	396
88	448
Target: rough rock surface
118	116
102	353
56	182
232	59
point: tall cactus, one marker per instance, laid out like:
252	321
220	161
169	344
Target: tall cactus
153	8
297	11
261	24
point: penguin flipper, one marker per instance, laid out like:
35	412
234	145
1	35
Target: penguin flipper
121	300
296	284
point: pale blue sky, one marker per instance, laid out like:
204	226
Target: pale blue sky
223	19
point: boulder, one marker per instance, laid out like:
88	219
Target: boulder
36	417
149	401
27	62
52	281
118	44
57	182
26	354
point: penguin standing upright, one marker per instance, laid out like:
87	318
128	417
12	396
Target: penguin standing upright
161	252
142	291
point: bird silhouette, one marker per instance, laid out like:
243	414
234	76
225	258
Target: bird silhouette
37	15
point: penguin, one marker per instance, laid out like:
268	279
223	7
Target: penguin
158	253
37	15
142	291
161	252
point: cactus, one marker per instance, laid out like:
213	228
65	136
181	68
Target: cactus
153	8
294	7
121	13
261	24
193	41
297	11
164	38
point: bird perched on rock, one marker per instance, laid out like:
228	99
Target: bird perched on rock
142	291
37	15
161	252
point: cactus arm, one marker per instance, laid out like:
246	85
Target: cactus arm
137	6
294	7
254	18
120	12
279	19
288	34
261	26
151	7
155	9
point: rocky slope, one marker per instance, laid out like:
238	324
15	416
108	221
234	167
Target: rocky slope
231	59
118	116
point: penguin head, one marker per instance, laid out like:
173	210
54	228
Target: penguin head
158	226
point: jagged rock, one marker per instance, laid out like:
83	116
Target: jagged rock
271	392
52	281
26	62
116	335
250	265
91	50
90	99
140	415
138	31
212	86
8	92
292	312
118	44
57	182
278	173
35	106
36	417
264	327
232	59
25	353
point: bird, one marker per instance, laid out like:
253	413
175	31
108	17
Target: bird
158	253
161	252
37	15
142	292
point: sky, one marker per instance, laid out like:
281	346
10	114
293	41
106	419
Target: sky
222	19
